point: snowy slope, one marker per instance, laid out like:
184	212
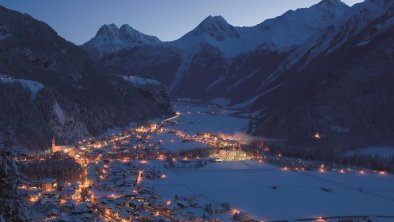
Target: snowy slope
138	81
31	85
356	19
287	30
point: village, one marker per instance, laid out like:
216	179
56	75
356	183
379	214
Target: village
113	176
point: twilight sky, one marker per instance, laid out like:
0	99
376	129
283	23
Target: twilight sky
79	20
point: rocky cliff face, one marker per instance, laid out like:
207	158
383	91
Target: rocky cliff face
55	89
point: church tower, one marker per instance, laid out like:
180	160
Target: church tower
53	145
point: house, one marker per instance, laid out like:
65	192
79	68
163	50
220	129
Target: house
47	184
52	213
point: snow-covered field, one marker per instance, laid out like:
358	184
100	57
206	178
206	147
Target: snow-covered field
171	142
203	118
247	186
197	118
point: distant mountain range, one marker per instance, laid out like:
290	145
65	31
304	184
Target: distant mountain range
50	88
327	69
201	61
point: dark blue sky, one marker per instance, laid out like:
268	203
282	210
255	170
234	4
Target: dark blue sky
79	20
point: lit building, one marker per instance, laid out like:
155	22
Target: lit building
56	148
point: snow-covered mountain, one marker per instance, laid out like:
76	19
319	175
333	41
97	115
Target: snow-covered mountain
338	84
110	38
201	62
287	30
327	69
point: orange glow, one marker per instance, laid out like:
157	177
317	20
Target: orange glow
235	211
342	171
362	172
317	136
168	203
322	170
139	178
33	199
285	168
143	162
23	187
382	173
125	160
161	157
62	201
107	212
163	176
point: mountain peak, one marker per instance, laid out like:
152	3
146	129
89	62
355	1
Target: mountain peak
332	4
108	28
217	27
214	19
127	29
110	38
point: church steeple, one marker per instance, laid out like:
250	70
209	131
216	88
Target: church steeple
53	145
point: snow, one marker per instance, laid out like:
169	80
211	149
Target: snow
247	186
31	85
170	142
363	43
4	33
221	101
288	30
61	116
110	38
197	118
334	36
138	81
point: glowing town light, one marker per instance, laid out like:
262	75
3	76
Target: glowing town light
143	161
33	199
161	157
168	203
62	201
285	168
139	178
362	172
235	211
317	135
342	171
382	173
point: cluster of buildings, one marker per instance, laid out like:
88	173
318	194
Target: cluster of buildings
115	182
